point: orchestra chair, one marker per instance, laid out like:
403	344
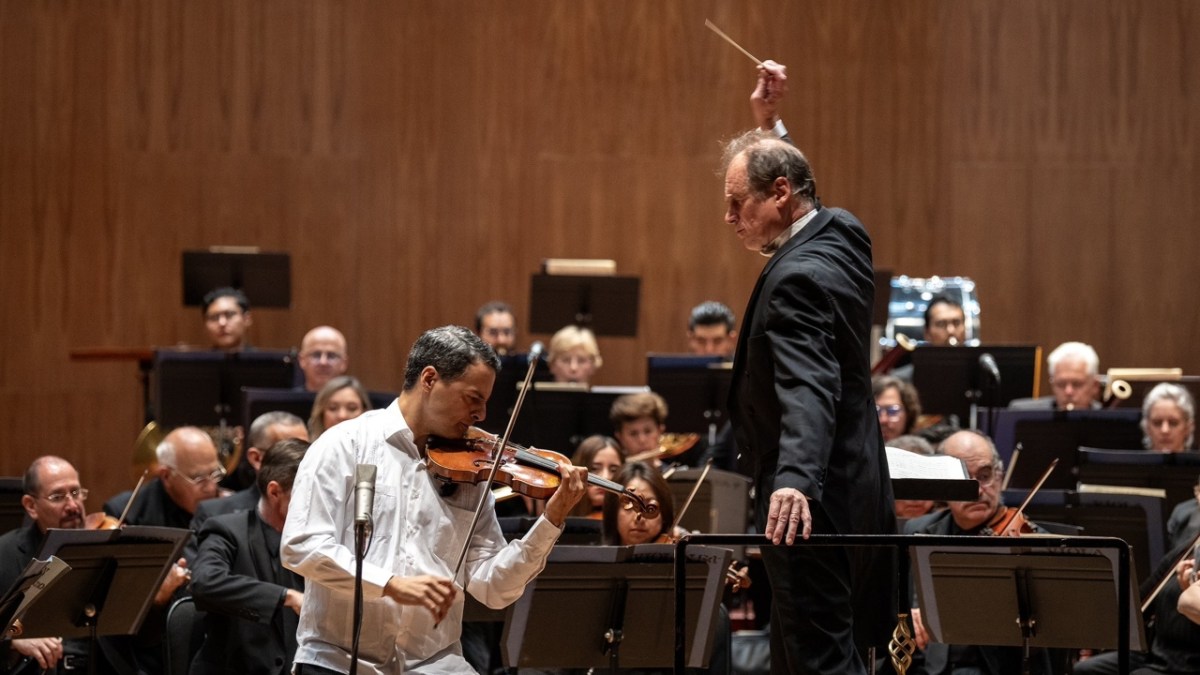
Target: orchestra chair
184	635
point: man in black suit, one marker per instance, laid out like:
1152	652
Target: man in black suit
802	409
253	603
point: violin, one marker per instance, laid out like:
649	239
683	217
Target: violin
102	521
528	471
1010	521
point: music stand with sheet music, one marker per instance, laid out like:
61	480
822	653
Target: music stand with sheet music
265	278
1175	473
620	599
695	388
1033	597
133	561
607	305
952	382
504	392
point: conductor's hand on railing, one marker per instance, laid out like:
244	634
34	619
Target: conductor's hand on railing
433	593
920	635
788	516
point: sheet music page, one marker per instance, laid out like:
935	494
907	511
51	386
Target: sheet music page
38	576
903	464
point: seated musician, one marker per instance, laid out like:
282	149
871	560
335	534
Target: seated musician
1184	523
898	405
1169	419
412	610
639	421
945	324
227	319
497	326
323	356
342	398
712	330
574	355
603	457
968	518
907	509
1175	645
1074	371
252	602
53	497
266	430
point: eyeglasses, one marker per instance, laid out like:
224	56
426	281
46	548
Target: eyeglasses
987	475
1062	384
892	411
228	315
944	324
332	357
78	494
214	477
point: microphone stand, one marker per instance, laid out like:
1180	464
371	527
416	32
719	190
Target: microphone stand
362	541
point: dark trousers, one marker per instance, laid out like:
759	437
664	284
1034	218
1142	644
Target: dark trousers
812	616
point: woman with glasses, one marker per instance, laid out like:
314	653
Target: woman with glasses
898	405
342	398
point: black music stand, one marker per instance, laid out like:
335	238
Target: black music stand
504	392
621	604
133	562
1034	598
1136	519
606	305
1045	435
12	513
1174	473
951	381
203	388
265	278
558	419
695	388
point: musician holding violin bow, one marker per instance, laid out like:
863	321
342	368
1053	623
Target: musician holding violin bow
421	520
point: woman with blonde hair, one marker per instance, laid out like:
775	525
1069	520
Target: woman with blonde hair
341	399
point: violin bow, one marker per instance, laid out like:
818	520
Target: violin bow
132	496
1034	491
1190	550
534	354
695	489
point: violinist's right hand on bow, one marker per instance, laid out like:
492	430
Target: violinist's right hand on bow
433	593
572	488
47	651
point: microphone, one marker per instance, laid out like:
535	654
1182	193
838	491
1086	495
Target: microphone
988	363
364	493
535	351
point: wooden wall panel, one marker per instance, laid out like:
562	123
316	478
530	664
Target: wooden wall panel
419	158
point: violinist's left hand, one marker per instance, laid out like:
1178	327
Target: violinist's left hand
572	488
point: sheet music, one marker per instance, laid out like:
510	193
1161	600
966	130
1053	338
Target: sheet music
903	464
38	576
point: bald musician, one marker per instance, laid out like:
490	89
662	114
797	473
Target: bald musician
412	609
323	356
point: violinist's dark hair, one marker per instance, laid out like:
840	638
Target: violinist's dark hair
493	307
450	350
225	292
279	464
662	494
941	299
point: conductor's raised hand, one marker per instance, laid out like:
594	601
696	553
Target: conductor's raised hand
788	516
571	488
768	92
433	593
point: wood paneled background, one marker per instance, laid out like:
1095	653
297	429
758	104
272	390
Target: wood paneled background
419	158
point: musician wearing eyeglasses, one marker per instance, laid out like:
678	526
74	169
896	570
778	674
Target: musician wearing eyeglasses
323	356
53	498
968	518
227	319
1074	371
